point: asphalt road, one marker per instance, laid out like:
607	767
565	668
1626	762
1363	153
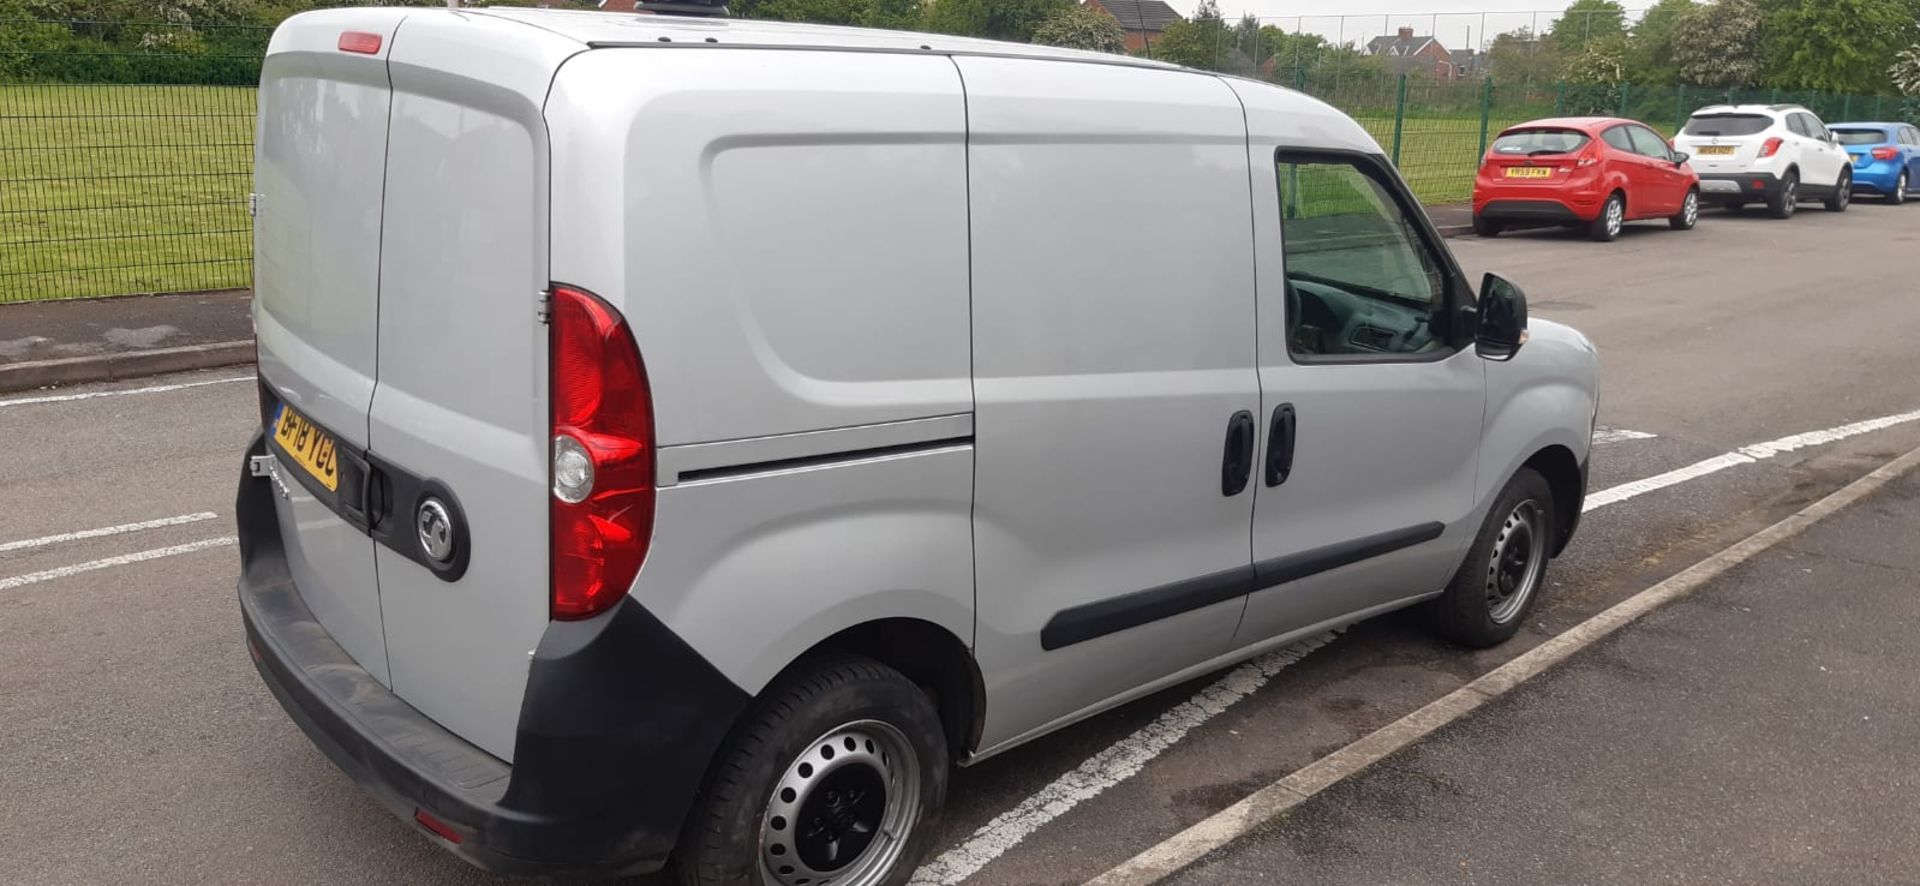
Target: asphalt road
136	742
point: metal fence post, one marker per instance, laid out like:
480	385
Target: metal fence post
1486	111
1560	98
1399	118
1879	104
1846	107
1679	108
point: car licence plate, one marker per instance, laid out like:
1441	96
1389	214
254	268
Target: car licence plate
1716	150
311	448
1529	172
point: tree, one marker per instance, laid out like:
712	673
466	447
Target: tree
1718	45
1650	46
994	19
1602	62
1586	21
1079	27
826	12
1287	57
1520	56
1197	42
1906	71
898	15
1836	45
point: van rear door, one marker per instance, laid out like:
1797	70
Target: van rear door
319	159
459	416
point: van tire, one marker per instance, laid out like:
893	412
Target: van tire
770	747
1467	612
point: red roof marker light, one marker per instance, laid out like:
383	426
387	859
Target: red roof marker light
363	42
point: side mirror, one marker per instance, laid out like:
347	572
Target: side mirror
1503	319
1680	158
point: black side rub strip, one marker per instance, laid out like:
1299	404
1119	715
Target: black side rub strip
1082	623
825	458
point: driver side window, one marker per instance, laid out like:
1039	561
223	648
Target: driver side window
1361	279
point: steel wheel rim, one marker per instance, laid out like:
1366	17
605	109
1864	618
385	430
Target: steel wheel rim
1616	216
1692	210
1518	561
824	823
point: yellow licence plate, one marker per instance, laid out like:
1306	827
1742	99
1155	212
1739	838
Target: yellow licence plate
1529	172
1716	150
312	449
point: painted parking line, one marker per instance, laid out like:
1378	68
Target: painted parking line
121	529
94	395
1745	455
1008	830
1183	849
1119	762
21	581
1606	436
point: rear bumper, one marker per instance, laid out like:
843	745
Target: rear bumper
1747	186
620	721
1879	177
1533	211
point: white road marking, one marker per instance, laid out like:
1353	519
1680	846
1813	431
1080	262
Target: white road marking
1603	436
1117	763
90	395
21	581
180	520
1745	455
1183	849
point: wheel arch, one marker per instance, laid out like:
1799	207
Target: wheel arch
1562	471
936	660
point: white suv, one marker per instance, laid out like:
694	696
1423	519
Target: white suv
1772	154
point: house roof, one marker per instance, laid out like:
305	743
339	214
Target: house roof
1393	44
1139	15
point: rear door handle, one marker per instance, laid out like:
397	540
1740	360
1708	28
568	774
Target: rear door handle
1236	463
1280	437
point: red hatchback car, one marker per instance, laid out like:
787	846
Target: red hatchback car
1596	173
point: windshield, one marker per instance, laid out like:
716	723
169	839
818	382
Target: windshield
1540	141
1728	124
1861	136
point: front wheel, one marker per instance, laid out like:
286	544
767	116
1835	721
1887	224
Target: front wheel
1497	586
1689	214
1842	195
837	775
1899	194
1613	216
1487	227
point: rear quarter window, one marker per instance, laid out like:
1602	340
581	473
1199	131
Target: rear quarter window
1540	141
1728	124
1860	136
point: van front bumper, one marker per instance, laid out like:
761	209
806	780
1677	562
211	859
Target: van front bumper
620	721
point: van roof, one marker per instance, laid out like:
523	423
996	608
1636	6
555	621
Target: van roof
609	29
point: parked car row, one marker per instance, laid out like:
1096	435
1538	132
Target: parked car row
1598	173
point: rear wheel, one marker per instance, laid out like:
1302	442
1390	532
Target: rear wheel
1487	227
1613	216
1689	213
1842	195
837	775
1496	587
1783	204
1899	194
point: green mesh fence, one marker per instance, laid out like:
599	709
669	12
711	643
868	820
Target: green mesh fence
126	148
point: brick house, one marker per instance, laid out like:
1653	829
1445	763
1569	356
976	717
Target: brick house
1142	20
1406	52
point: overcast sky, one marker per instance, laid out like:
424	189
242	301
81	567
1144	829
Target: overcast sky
1444	19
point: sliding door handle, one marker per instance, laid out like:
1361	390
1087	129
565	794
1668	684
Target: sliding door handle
1280	437
1236	463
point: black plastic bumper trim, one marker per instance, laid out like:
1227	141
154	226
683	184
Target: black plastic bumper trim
1552	211
620	721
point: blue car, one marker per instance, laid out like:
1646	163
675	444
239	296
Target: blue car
1886	157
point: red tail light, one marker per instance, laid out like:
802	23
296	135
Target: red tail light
1770	147
601	455
1885	153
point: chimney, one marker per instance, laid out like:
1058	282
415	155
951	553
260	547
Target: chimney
1406	34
